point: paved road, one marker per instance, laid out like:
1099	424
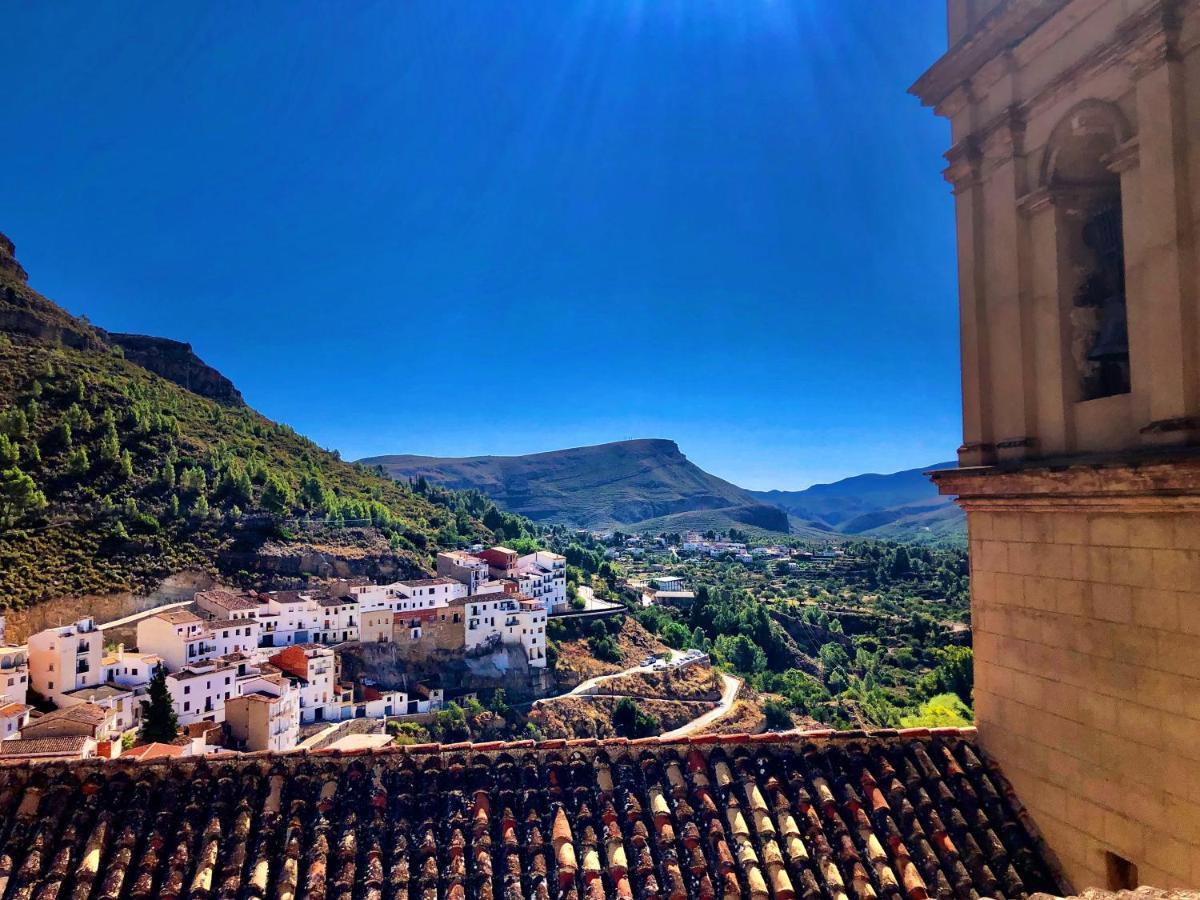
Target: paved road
729	691
584	686
728	695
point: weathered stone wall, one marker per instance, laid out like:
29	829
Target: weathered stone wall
1087	680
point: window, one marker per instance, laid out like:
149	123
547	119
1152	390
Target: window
187	705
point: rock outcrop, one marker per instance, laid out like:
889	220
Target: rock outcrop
177	362
8	260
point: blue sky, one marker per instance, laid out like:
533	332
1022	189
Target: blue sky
477	226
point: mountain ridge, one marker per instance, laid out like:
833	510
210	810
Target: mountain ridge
618	484
649	484
895	504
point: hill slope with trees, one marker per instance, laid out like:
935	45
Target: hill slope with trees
898	506
113	476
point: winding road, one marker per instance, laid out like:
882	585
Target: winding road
729	691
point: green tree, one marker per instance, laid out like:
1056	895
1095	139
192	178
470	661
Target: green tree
833	656
10	452
159	722
277	497
19	496
631	721
235	487
78	463
675	634
778	716
741	653
954	674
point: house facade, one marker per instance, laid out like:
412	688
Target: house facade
63	659
1075	168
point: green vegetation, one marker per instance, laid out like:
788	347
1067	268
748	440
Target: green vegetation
158	711
629	720
939	711
112	477
871	638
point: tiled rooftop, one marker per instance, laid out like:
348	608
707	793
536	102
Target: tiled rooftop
228	600
68	745
814	816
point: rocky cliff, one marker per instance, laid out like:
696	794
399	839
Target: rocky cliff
177	362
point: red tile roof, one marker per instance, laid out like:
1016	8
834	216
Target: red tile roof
154	751
909	815
69	745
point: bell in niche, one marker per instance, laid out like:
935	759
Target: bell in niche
1103	291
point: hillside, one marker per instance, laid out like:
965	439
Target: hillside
124	459
629	485
902	505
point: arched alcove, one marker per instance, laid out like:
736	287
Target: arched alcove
1076	169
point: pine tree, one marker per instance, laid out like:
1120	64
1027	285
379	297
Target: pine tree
159	722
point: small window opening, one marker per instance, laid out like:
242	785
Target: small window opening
1122	875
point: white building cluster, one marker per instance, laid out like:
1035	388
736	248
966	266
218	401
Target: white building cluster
258	666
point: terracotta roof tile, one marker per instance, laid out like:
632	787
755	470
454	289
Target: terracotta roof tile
797	816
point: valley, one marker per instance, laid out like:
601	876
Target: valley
136	479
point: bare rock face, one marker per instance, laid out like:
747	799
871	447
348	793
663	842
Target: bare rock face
8	259
27	315
177	362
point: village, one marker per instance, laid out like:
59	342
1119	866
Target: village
249	671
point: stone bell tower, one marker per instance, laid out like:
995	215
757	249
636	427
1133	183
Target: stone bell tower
1075	168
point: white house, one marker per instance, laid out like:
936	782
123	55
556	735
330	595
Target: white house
266	716
339	620
467	568
121	704
668	583
63	659
130	668
526	625
314	671
289	617
14	674
543	576
199	692
177	636
227	604
13	717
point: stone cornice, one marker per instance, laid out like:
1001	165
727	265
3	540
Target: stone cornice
965	160
999	30
1137	482
1124	158
1151	36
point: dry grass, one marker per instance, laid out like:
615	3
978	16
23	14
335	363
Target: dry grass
694	682
579	717
576	662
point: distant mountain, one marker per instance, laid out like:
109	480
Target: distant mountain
629	485
902	505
